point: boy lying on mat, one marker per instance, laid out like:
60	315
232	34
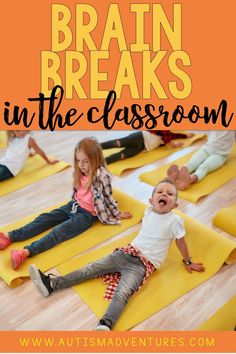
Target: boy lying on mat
137	142
128	268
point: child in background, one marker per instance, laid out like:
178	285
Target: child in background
210	157
135	262
92	200
137	142
20	143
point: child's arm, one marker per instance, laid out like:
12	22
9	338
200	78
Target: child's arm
174	136
173	145
111	202
38	150
189	265
124	215
181	135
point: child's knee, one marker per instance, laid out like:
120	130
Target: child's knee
123	295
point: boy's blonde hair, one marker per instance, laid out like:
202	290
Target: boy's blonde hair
166	180
92	149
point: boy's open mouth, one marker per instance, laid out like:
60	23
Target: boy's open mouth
162	201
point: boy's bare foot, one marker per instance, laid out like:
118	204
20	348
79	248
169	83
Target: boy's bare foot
173	173
190	135
183	181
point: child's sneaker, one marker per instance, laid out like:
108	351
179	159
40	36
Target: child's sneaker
17	258
102	326
40	280
4	241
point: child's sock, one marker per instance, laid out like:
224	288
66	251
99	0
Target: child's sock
173	172
183	181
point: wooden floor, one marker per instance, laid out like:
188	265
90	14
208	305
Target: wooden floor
24	309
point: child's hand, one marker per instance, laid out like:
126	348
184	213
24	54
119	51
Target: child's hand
32	153
125	215
198	267
175	145
52	162
190	135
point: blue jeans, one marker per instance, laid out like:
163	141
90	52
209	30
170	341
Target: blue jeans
5	173
132	272
66	226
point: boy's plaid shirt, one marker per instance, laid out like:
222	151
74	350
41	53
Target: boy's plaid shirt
167	136
112	280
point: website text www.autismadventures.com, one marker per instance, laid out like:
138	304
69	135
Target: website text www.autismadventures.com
84	343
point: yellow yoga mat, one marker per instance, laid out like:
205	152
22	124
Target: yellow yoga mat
210	183
3	139
68	249
34	170
225	219
223	320
145	158
165	285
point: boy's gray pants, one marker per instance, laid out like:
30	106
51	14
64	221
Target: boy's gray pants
132	272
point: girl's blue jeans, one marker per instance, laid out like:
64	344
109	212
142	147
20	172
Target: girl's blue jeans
132	272
65	224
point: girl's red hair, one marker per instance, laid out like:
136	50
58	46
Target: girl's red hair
92	149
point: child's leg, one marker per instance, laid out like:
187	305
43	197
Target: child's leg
122	155
184	179
213	162
199	157
131	277
5	173
134	140
133	144
73	226
42	223
110	144
187	173
173	172
127	141
106	265
49	283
